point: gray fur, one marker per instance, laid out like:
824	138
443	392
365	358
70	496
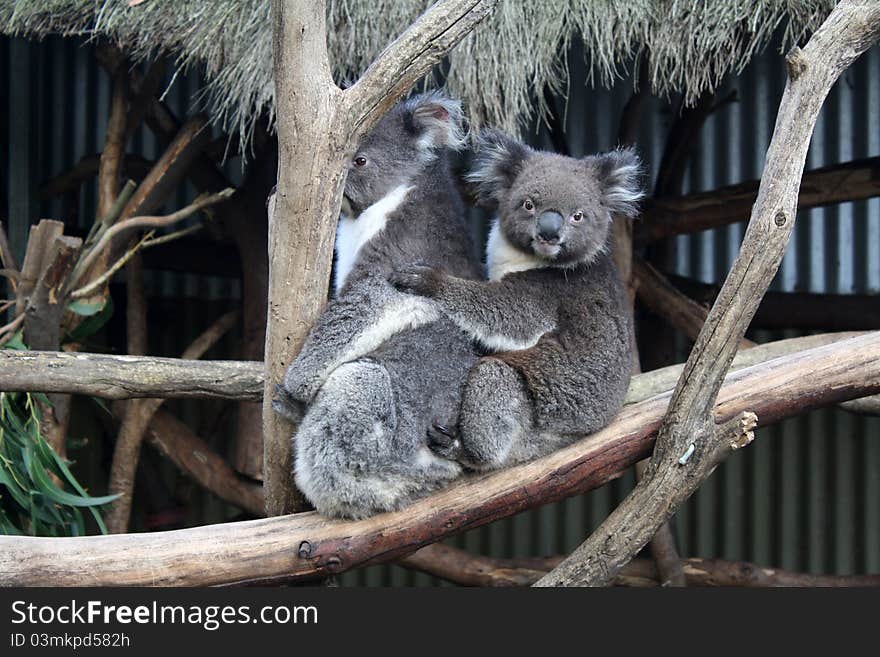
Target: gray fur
379	366
556	316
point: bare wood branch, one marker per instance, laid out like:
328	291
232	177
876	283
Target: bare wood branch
685	314
42	329
664	379
409	57
689	429
150	222
104	278
805	311
7	258
126	377
170	170
466	569
110	165
306	545
664	552
680	144
147	88
664	300
133	166
196	458
138	414
837	183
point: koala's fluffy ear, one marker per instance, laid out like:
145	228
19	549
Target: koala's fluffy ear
437	120
498	159
620	176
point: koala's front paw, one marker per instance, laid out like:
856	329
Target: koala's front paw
443	442
422	280
285	405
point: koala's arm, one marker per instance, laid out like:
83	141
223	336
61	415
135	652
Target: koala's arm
349	328
501	316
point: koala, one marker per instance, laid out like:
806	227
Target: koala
553	315
380	367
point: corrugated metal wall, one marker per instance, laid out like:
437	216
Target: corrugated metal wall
805	496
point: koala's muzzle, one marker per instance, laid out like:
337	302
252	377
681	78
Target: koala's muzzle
549	226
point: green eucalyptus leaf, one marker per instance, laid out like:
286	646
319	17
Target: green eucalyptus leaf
93	322
86	309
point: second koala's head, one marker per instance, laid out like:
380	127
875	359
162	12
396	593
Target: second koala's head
403	143
556	208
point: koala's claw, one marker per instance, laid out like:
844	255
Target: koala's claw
417	278
443	442
285	405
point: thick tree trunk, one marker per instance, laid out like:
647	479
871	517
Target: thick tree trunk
319	126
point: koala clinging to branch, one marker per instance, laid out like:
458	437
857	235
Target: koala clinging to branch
380	366
554	312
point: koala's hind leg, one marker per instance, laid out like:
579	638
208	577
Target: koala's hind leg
496	415
344	440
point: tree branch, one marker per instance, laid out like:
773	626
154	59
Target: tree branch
806	311
125	377
138	414
466	569
110	165
201	463
306	545
409	57
837	183
150	222
688	428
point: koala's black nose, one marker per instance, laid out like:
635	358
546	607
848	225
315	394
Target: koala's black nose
549	225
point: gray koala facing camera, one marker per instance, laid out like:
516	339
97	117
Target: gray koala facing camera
380	367
554	314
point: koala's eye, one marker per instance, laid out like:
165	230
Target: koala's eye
360	161
577	217
528	206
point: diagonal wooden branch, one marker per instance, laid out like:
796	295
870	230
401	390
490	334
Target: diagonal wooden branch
306	545
138	414
689	428
804	311
150	222
110	165
409	57
663	547
689	316
196	458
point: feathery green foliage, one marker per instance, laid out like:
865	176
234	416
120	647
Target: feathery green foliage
499	70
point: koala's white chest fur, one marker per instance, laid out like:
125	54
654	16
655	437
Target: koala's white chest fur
352	234
502	258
